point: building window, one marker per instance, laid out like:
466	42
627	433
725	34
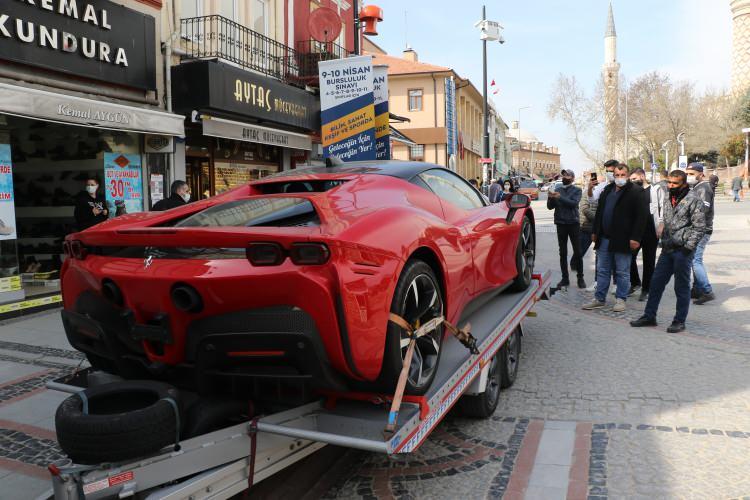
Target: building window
191	8
415	100
228	9
260	16
416	152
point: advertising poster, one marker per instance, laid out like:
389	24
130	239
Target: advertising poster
7	205
347	111
450	115
382	127
123	183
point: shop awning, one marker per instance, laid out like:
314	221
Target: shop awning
63	108
228	129
399	136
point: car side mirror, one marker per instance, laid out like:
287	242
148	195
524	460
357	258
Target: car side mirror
518	201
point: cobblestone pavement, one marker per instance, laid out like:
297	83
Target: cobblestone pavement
599	409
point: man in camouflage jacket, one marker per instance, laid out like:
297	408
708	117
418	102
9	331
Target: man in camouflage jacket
684	226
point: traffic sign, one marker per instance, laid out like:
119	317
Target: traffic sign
654	166
682	164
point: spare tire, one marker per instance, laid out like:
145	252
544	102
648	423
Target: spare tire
125	420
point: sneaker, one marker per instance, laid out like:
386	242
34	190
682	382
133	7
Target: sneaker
676	327
563	283
706	297
643	321
643	297
581	283
594	304
619	306
633	289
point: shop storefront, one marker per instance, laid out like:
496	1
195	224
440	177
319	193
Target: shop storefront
53	137
242	126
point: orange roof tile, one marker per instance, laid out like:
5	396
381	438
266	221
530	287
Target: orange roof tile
400	66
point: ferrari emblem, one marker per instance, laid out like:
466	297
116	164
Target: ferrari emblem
147	261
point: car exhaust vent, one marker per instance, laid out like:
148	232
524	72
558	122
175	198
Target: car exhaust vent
186	298
112	292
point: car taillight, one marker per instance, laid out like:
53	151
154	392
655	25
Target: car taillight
265	254
74	249
306	254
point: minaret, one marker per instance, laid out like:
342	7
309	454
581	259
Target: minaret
740	46
611	76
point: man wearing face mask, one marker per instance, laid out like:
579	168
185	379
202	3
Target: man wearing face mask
180	196
90	207
617	232
684	226
654	200
564	201
701	187
609	172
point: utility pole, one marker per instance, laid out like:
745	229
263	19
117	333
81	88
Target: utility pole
626	125
355	5
747	151
485	120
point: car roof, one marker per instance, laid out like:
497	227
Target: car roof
394	168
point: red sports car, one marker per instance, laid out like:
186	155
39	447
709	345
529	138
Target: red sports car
293	277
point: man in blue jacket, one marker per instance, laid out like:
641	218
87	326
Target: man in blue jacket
564	201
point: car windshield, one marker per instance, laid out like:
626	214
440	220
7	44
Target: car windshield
253	212
528	184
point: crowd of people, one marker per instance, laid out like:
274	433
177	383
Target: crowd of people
624	216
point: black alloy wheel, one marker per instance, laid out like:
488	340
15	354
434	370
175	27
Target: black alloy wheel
525	256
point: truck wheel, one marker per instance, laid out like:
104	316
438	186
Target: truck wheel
483	405
125	420
511	355
525	256
418	299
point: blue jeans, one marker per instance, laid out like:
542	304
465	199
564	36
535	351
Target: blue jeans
606	261
674	263
699	270
736	193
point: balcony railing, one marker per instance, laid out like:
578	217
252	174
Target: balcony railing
208	37
311	52
218	37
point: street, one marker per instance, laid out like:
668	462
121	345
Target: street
599	410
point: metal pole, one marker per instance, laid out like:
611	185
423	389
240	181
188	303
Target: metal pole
485	121
747	153
626	126
355	4
531	166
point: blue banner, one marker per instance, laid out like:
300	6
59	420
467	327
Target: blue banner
382	124
347	111
7	206
450	115
123	182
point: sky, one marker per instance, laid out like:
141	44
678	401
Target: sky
687	39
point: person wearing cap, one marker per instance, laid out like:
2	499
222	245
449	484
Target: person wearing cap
564	201
617	232
702	291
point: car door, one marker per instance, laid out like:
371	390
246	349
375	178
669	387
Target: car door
482	225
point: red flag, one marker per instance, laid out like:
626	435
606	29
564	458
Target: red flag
495	92
493	83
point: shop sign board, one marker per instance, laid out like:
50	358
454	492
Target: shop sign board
123	182
347	108
450	115
382	126
216	86
228	129
7	205
95	39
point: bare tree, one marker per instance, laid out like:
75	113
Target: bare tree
581	114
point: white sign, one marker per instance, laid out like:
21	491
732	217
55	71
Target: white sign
156	188
682	163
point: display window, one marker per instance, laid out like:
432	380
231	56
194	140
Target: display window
51	167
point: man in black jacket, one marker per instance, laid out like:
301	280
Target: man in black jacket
180	196
564	201
618	228
90	207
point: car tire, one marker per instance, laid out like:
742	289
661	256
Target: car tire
525	256
510	353
419	279
484	405
125	420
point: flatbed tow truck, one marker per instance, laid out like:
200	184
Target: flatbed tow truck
223	463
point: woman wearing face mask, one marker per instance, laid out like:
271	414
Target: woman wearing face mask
180	196
90	206
508	189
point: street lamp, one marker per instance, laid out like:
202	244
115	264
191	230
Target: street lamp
531	166
665	148
746	131
520	147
